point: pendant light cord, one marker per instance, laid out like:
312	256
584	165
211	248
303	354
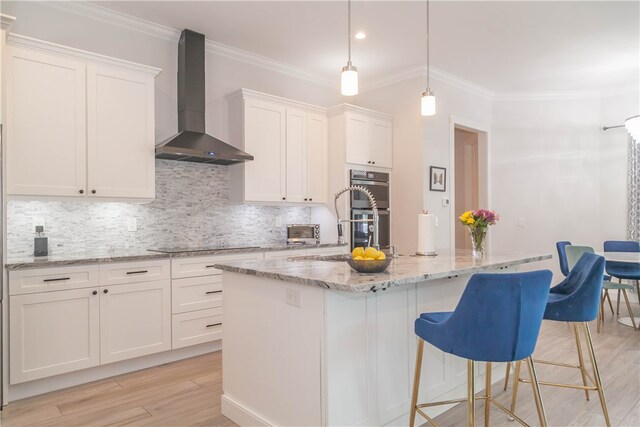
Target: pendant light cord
428	41
349	27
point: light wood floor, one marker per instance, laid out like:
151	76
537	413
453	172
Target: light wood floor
187	393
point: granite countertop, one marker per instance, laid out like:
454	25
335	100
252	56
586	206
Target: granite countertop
338	275
20	262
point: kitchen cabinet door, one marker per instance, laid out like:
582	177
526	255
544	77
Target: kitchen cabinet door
357	128
265	139
135	320
296	155
380	143
52	333
120	129
316	158
46	124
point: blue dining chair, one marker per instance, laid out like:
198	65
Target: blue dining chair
623	270
562	256
576	300
497	320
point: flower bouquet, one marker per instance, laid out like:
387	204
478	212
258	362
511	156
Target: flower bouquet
478	222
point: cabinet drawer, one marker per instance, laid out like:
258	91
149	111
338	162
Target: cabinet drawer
203	266
289	253
196	293
196	327
52	279
134	272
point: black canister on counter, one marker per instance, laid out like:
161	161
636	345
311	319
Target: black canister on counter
40	242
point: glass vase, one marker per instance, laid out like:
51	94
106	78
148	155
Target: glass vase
478	238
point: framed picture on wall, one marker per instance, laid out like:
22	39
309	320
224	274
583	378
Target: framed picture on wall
438	178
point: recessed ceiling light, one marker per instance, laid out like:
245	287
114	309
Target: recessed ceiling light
360	35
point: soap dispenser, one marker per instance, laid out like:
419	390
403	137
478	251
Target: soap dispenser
40	242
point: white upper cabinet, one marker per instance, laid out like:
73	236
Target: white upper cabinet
265	139
120	129
46	124
369	139
78	124
289	143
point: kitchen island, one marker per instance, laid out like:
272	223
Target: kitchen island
309	341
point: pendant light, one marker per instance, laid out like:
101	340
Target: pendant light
349	78
428	101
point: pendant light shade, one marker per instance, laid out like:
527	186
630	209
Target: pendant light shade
349	78
428	104
632	124
428	101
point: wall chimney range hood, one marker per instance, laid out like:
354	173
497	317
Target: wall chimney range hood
192	144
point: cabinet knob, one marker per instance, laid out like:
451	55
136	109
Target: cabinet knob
95	292
373	163
105	291
369	162
81	191
93	191
284	198
311	200
305	200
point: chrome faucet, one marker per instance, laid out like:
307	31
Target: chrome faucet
373	227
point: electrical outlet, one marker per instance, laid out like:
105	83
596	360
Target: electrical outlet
522	221
278	221
132	223
445	202
292	297
38	220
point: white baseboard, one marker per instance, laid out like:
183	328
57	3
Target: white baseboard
239	415
58	382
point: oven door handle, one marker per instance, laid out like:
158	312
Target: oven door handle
380	183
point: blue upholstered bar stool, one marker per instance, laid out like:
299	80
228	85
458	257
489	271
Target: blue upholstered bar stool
576	300
562	256
623	270
497	320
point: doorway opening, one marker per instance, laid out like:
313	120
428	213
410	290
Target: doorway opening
470	176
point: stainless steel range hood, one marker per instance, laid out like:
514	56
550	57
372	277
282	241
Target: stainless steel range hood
192	144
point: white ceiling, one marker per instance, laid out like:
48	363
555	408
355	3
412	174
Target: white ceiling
503	46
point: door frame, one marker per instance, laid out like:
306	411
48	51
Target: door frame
484	171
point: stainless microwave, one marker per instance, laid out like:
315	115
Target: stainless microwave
303	234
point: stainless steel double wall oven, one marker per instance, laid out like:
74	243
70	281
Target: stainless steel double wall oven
378	184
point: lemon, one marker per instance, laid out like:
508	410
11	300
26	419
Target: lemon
357	252
370	253
381	255
369	259
358	258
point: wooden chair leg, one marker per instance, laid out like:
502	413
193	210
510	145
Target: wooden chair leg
536	393
626	300
596	374
471	394
416	382
606	294
581	358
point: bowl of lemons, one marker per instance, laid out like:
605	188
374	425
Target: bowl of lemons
368	260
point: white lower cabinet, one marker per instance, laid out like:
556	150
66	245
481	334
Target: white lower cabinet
134	320
53	332
197	327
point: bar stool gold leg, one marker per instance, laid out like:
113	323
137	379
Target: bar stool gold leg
416	382
596	373
626	300
487	392
471	394
516	381
581	359
618	304
536	392
506	376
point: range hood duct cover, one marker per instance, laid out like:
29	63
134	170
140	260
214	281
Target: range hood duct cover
192	143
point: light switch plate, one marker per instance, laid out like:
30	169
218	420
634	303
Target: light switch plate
278	221
522	221
292	297
132	223
445	202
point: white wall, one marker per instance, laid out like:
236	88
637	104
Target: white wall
420	142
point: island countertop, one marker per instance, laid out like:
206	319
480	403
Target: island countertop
404	270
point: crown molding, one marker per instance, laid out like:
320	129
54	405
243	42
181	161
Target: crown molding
6	21
566	95
70	52
113	17
249	93
343	108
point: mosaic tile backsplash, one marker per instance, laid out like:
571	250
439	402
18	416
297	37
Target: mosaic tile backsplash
191	208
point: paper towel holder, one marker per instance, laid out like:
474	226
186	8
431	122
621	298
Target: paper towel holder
427	254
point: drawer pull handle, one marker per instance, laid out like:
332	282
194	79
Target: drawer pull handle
214	324
138	272
212	292
57	280
209	266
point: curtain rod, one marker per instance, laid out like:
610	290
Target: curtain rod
612	127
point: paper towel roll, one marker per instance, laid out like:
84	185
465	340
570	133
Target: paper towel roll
427	233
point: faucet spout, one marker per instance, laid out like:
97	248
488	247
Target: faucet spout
376	218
